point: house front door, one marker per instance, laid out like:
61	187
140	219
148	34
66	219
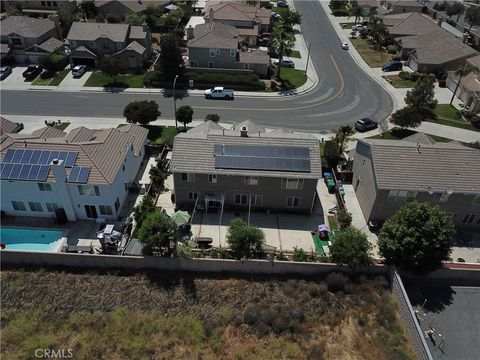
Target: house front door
91	211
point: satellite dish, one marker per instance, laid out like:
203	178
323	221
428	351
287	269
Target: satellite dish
449	191
430	190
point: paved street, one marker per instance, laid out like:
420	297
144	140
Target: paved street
343	93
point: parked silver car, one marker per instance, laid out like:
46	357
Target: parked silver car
5	71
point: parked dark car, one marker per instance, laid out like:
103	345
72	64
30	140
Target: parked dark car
5	71
286	63
392	66
365	124
282	4
32	72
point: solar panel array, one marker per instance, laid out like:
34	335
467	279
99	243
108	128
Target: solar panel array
39	157
24	172
79	175
257	157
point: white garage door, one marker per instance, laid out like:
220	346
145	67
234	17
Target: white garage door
413	65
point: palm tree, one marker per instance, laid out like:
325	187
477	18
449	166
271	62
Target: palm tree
282	43
461	72
357	11
342	136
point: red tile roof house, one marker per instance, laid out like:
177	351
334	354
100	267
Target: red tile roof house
122	7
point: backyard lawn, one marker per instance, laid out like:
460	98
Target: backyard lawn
162	134
99	79
51	81
448	115
292	78
62	126
398	82
374	58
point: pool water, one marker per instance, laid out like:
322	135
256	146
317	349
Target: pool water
30	239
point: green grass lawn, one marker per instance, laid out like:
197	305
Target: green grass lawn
62	126
448	115
98	79
374	58
47	80
295	54
292	78
399	134
398	82
347	25
162	134
280	11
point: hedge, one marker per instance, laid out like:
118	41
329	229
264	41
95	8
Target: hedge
340	13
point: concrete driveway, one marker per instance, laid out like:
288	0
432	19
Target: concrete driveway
74	83
16	77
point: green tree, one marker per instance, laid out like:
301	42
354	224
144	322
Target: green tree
377	31
357	11
52	63
299	255
134	19
460	73
157	234
291	18
422	98
343	135
89	9
141	211
113	18
158	175
141	112
472	16
282	43
111	66
406	117
244	240
67	14
344	219
171	55
454	8
185	115
351	247
417	238
100	18
212	117
331	153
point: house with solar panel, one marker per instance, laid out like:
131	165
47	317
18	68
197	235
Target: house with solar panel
387	174
86	172
245	168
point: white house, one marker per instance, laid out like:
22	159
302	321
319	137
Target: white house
85	172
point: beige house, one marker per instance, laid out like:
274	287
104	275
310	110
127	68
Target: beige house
90	42
245	168
216	45
38	7
469	89
122	7
389	173
402	6
28	38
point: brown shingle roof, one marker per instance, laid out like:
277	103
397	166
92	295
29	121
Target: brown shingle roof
413	24
134	5
214	35
238	12
93	31
474	61
254	57
48	132
7	126
25	26
470	82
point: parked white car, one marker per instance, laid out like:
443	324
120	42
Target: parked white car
358	27
344	46
219	92
79	70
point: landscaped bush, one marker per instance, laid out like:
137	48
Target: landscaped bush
340	13
475	121
414	76
299	254
336	282
250	314
392	49
396	58
113	18
404	75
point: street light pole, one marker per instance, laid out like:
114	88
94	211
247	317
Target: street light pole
175	101
308	53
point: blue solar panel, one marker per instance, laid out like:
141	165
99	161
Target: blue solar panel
18	156
6	169
74	174
43	173
83	176
15	171
44	158
34	172
53	155
24	172
63	155
35	157
71	157
9	155
27	154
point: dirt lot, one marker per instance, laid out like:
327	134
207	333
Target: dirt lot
167	316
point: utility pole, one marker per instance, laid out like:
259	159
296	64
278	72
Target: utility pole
175	101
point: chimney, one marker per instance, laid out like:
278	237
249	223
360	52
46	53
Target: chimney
190	32
56	22
244	131
58	168
210	15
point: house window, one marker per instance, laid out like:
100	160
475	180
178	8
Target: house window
401	195
187	177
211	64
117	205
245	66
35	206
132	61
232	52
212	52
44	187
49	3
92	44
468	219
212	178
440	197
250	180
256	200
88	190
18	206
293	202
54	3
192	195
73	44
217	51
16	41
105	209
51	207
241	199
292	184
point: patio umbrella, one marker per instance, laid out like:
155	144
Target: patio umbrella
180	218
323	227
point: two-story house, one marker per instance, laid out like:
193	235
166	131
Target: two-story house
90	42
389	173
38	8
26	38
216	45
245	167
122	7
249	20
469	88
87	173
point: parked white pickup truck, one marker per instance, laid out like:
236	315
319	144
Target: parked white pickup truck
219	93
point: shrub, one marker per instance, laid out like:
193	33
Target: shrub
212	117
392	49
281	256
362	319
414	76
299	254
336	282
396	58
340	13
250	314
404	75
113	18
280	324
475	121
100	18
344	218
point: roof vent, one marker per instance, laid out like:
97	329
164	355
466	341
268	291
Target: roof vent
244	131
55	162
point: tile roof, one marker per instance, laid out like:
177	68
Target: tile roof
193	151
48	132
136	32
51	44
7	126
405	165
93	31
133	46
420	138
236	11
413	24
25	26
474	61
103	151
139	134
254	57
134	5
214	35
470	82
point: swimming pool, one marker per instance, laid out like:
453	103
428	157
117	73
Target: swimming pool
31	239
